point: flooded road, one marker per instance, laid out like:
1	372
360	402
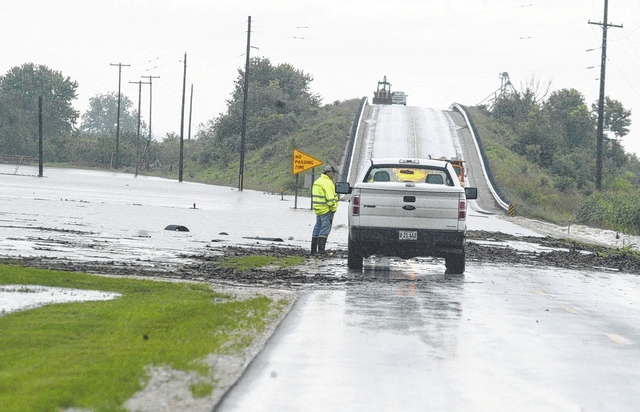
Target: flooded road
413	339
398	336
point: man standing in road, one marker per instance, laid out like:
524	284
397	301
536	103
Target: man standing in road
325	204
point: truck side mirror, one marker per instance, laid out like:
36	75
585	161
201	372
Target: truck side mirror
343	188
471	192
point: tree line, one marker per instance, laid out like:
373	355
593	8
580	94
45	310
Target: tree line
542	147
283	113
553	135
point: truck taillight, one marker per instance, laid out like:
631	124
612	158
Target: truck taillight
462	210
355	204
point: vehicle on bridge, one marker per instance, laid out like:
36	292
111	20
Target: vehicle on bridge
398	98
382	95
408	208
458	166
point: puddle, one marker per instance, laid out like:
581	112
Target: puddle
521	246
21	297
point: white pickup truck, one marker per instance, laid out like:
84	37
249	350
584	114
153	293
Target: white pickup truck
408	208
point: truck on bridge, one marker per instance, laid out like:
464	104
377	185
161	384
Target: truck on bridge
382	95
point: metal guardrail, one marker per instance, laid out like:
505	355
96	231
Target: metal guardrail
353	136
504	205
356	128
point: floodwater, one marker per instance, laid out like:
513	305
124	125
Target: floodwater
20	297
106	216
116	218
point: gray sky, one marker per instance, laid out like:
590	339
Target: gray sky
437	51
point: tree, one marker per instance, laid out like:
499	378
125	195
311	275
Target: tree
570	117
535	138
102	116
20	89
514	108
616	118
279	100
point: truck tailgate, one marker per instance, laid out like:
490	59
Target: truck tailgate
395	205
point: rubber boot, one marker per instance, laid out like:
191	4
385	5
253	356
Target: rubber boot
322	243
314	245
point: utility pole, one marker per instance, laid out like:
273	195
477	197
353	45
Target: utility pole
140	83
40	151
600	131
244	110
184	91
190	110
146	150
117	163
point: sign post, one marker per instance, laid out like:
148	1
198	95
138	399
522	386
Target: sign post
302	162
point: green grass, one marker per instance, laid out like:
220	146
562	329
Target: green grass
244	263
201	389
93	354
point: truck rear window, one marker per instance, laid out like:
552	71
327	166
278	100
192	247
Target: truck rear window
409	174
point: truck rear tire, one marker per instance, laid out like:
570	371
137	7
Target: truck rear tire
354	255
455	264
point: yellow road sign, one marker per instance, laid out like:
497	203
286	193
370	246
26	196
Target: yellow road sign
302	162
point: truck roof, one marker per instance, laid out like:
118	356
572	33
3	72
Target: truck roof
408	161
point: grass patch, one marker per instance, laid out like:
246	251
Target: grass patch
93	354
201	389
244	263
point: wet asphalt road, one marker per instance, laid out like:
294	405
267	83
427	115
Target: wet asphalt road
495	339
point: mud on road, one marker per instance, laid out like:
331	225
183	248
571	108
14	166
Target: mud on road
482	247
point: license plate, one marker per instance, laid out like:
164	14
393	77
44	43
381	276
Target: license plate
408	235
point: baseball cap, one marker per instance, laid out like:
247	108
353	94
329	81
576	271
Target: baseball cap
329	168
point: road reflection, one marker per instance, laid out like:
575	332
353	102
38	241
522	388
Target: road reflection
390	330
409	298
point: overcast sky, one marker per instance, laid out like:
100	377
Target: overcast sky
436	51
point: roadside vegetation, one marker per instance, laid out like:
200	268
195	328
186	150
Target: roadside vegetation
94	355
541	150
283	115
539	146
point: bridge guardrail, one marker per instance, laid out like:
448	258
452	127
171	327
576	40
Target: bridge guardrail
353	136
504	205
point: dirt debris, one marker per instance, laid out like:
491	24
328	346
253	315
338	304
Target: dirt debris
482	247
554	252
